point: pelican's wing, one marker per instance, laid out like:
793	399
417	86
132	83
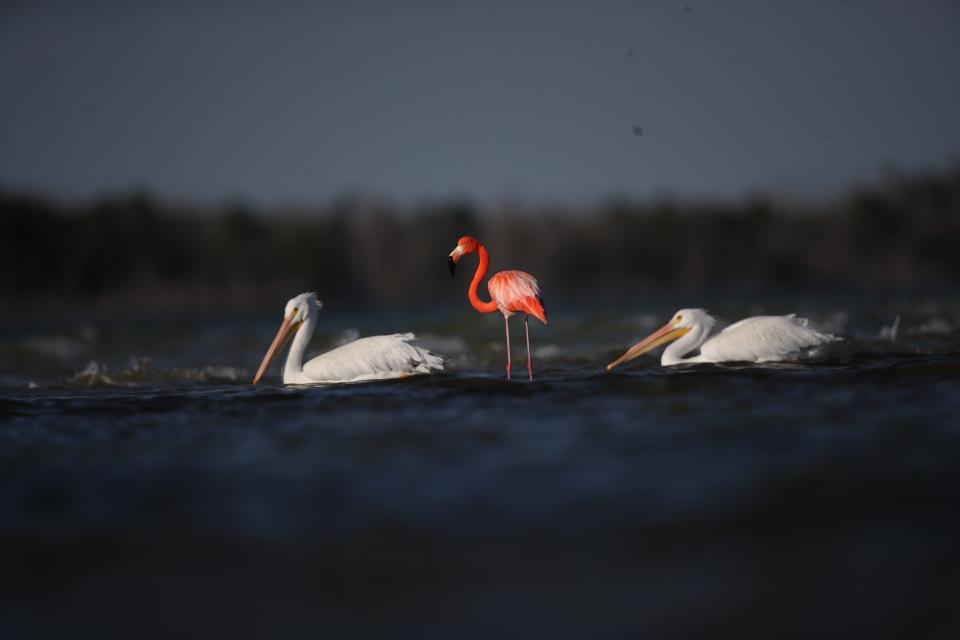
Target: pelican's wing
373	358
763	339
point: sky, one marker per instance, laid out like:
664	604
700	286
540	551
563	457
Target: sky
301	102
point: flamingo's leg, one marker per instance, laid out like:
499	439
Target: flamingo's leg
506	325
526	325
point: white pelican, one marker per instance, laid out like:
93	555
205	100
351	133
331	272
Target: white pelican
373	358
756	339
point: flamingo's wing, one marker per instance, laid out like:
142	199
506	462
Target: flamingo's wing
763	339
373	358
517	292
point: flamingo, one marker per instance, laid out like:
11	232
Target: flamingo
756	339
372	358
510	292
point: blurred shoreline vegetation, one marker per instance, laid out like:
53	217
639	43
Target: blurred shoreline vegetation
134	250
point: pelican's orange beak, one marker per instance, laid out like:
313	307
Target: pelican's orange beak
287	329
667	333
454	258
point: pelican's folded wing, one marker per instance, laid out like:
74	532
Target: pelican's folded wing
373	358
764	339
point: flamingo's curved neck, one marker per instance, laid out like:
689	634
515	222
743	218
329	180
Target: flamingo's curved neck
675	352
478	304
294	364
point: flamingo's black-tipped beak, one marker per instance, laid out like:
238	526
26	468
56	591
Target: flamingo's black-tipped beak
454	258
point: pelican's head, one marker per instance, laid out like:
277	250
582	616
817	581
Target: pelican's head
693	319
303	306
465	245
298	310
682	323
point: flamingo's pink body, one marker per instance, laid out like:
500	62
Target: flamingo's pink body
510	292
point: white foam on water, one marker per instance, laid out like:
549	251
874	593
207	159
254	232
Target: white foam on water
444	345
934	327
93	375
347	336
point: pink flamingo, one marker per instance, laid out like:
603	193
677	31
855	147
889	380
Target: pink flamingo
510	292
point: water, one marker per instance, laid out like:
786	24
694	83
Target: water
146	489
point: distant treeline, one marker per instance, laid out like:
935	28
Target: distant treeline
135	249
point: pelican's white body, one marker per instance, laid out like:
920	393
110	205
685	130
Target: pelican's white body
756	339
372	358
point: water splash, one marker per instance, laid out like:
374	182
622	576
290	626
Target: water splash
93	375
890	333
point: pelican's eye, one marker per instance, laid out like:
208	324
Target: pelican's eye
679	317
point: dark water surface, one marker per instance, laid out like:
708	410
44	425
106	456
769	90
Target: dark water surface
146	489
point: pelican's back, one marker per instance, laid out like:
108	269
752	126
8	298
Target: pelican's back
373	358
763	339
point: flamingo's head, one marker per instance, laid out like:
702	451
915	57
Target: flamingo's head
465	245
